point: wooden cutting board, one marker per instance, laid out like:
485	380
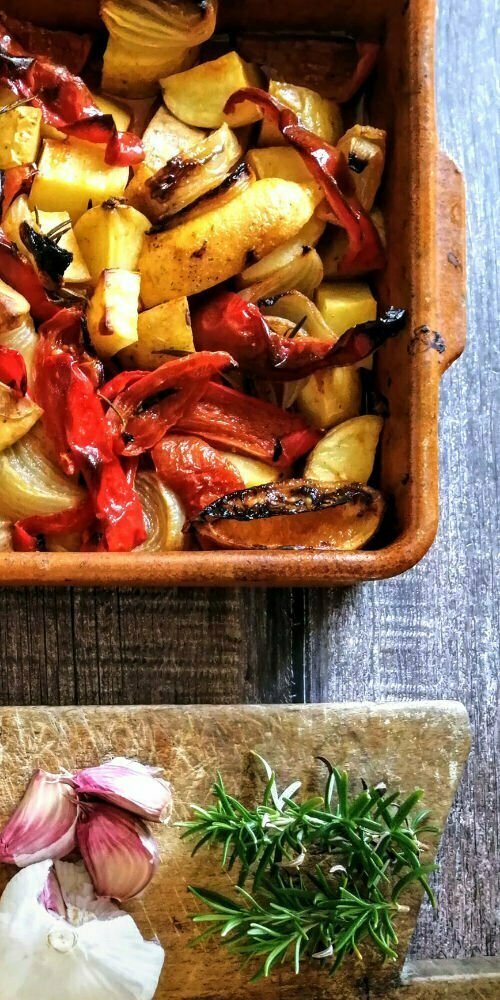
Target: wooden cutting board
406	745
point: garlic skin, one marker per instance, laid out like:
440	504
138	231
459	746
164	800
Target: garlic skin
90	954
119	852
43	826
128	784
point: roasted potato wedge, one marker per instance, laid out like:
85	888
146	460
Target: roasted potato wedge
215	246
162	332
18	414
19	136
165	137
364	150
110	236
279	161
77	273
231	187
345	304
190	175
112	311
253	472
198	96
329	397
346	453
149	40
72	173
297	513
316	113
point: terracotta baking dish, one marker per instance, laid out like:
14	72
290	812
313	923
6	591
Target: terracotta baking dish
424	209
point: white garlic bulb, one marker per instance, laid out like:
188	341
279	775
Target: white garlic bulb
58	940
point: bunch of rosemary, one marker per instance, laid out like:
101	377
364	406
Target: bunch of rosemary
326	874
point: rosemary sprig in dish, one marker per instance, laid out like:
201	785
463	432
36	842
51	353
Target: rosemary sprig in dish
327	874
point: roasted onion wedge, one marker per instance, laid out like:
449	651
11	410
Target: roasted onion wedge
18	414
151	38
190	175
163	513
299	513
234	184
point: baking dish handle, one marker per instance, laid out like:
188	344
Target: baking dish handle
451	319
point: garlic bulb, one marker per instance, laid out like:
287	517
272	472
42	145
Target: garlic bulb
57	940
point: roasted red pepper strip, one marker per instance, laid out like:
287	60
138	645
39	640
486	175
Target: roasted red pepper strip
195	472
367	57
77	427
20	274
28	535
231	420
15	181
13	370
65	102
229	323
329	168
138	418
60	46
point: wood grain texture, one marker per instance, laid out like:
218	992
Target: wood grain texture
191	743
431	633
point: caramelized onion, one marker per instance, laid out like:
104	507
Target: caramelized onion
31	483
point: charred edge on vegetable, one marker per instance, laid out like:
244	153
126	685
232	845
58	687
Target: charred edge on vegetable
275	500
14	67
111	203
356	164
49	256
162	182
147	404
241	172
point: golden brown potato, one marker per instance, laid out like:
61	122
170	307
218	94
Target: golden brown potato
344	304
19	136
329	397
110	236
215	246
161	331
346	453
72	173
112	311
198	96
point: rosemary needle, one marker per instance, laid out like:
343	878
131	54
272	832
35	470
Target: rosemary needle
326	873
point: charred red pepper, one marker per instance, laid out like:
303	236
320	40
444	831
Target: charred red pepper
367	57
77	427
146	405
195	472
13	370
65	102
13	182
231	420
229	323
329	168
29	534
61	46
20	274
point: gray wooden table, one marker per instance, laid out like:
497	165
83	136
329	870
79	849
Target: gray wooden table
430	634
